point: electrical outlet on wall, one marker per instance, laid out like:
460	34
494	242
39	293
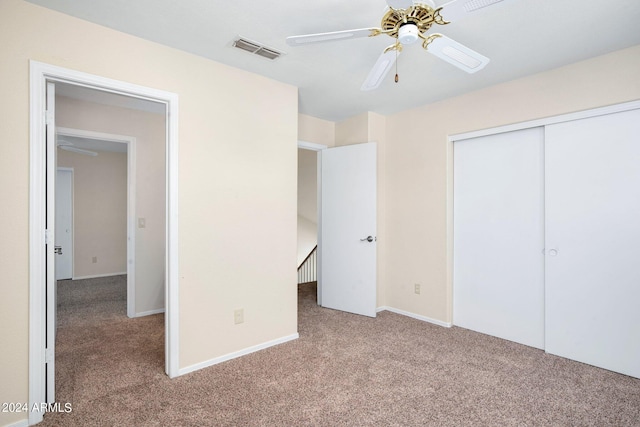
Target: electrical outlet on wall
94	260
416	288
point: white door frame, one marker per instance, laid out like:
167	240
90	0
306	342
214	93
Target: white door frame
130	142
312	146
40	74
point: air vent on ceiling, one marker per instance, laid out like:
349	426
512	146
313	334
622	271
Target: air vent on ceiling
256	48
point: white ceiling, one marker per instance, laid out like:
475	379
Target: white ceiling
521	37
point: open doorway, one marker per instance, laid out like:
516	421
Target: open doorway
120	201
307	210
346	183
116	225
44	79
308	217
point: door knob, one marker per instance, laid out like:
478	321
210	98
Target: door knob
367	239
553	252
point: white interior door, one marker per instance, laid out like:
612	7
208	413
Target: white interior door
50	284
347	279
593	241
498	278
64	224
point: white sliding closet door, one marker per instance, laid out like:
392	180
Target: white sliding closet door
498	278
593	241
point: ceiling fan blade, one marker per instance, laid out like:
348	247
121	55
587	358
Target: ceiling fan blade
400	4
380	69
456	54
458	9
332	36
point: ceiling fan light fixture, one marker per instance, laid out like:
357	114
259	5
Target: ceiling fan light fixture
408	34
407	22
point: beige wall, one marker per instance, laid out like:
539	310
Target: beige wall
237	184
308	184
318	131
149	131
419	164
99	212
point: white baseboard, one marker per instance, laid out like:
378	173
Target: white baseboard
150	312
414	316
95	276
236	354
21	423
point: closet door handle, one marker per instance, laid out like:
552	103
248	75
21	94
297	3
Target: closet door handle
553	252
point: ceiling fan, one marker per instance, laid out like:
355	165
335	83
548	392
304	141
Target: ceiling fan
407	21
68	146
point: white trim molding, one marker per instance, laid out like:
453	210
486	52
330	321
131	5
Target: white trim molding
37	230
414	316
237	354
40	74
311	146
21	423
150	312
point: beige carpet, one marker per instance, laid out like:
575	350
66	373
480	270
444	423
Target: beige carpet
345	370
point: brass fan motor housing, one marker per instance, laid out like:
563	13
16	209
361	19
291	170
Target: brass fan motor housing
421	15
